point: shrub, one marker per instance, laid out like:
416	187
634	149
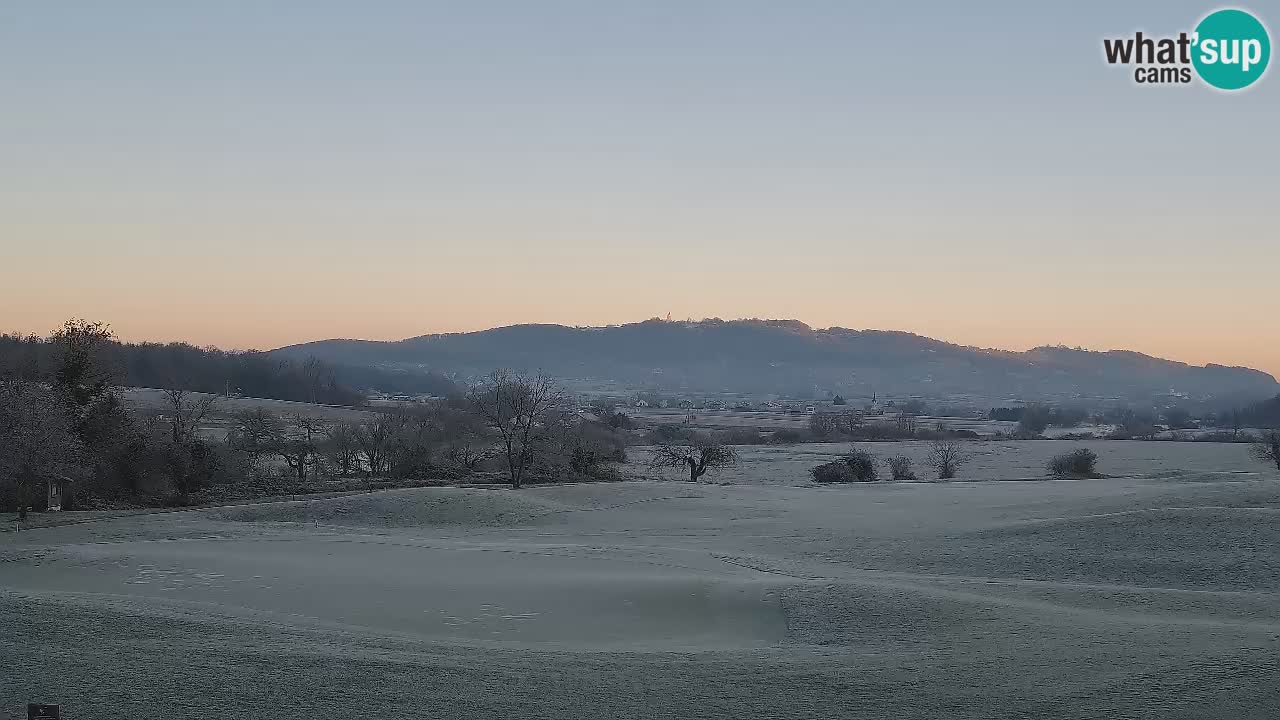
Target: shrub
1077	463
193	465
668	432
863	465
833	472
900	467
787	437
741	436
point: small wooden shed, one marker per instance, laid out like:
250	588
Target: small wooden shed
58	486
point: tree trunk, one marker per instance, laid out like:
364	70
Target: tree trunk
695	470
511	468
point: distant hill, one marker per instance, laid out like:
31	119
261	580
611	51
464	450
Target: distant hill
789	357
251	373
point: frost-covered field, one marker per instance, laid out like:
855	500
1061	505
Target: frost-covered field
1151	596
988	460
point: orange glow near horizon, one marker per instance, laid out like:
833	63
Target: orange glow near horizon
224	325
263	284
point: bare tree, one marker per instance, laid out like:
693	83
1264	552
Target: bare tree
906	423
374	437
296	441
516	406
1235	421
253	435
412	442
822	424
316	375
848	420
699	453
946	457
1267	447
188	411
342	447
466	440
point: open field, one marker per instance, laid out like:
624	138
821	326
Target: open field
779	420
151	402
988	460
1156	595
152	399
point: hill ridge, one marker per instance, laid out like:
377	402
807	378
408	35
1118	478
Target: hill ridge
787	356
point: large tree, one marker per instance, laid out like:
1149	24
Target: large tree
699	453
517	407
186	411
297	441
84	369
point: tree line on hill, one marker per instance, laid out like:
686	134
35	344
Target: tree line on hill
790	358
62	419
1139	423
1264	414
515	426
210	370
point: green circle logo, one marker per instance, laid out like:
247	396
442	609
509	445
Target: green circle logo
1232	49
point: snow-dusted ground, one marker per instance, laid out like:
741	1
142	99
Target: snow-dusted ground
986	460
1122	597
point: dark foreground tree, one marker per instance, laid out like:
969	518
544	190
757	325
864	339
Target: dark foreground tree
1267	447
698	452
82	369
517	407
192	465
37	441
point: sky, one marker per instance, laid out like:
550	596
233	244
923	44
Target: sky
250	174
